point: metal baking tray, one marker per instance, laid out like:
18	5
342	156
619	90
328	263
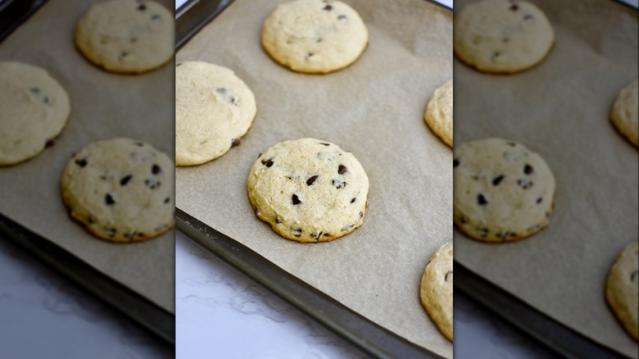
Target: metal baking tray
142	311
368	336
545	330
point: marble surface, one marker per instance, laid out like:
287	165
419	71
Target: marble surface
44	315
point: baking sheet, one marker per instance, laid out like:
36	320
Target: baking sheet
560	110
103	105
373	109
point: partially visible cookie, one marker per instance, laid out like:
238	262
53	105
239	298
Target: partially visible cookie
624	112
436	289
502	190
622	287
213	109
502	36
34	110
439	113
121	190
308	190
314	36
126	36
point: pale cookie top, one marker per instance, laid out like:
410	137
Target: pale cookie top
502	190
436	289
624	112
34	107
213	109
439	112
308	190
502	35
622	288
126	35
314	36
120	189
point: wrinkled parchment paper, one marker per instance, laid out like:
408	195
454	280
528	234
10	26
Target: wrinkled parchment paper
373	109
560	110
103	105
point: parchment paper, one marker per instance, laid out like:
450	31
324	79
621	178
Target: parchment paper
373	109
560	110
103	105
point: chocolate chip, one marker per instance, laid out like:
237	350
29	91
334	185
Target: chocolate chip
142	7
505	40
278	220
455	162
297	232
155	169
310	54
167	200
260	155
311	180
46	100
82	162
152	184
124	180
318	235
353	200
511	144
220	90
497	180
462	220
633	276
496	54
324	144
528	17
342	18
361	214
49	143
448	275
528	169
338	184
139	144
481	199
268	163
235	142
483	231
539	200
90	220
328	8
108	199
319	39
35	90
295	200
123	54
524	183
514	7
112	231
341	169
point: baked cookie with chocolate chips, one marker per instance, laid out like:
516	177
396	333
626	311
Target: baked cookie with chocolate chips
439	113
624	114
622	287
213	110
34	110
126	36
314	36
502	190
436	289
308	190
120	190
502	36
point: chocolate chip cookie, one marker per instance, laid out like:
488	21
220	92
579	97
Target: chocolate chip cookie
502	36
314	36
126	36
308	190
624	114
213	110
436	289
622	287
120	189
502	190
34	110
439	113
